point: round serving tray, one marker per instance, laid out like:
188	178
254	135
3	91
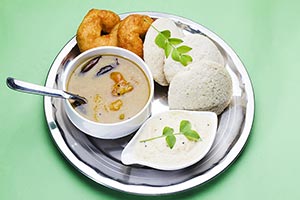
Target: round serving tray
99	159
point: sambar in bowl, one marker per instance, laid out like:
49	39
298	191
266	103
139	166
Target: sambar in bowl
118	86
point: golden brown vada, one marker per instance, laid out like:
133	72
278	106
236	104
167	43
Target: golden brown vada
98	28
131	31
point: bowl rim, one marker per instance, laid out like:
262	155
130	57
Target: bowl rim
128	55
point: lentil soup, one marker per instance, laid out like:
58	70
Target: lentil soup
116	88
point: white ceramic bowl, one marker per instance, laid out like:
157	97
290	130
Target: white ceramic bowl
185	153
108	130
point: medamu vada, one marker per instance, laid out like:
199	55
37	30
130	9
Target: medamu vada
98	28
131	32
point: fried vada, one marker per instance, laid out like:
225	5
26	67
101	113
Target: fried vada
131	32
98	28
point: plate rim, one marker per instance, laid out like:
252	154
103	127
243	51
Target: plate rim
143	189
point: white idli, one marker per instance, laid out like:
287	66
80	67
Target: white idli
206	87
202	49
154	56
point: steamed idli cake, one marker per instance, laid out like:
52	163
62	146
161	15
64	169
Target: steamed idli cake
206	87
202	49
154	56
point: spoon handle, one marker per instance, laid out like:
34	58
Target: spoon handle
31	88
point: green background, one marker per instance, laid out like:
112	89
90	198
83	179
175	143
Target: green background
265	35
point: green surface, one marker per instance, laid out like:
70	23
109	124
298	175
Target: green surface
265	35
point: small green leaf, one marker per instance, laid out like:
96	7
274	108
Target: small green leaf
192	135
171	140
175	55
183	62
168	131
161	40
166	34
164	41
183	49
185	59
185	126
170	137
168	50
175	41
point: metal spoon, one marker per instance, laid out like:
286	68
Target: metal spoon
31	88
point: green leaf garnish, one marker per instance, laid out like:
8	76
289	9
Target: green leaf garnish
175	41
176	56
166	34
192	135
185	125
170	46
185	129
168	131
183	49
186	59
161	39
171	140
168	50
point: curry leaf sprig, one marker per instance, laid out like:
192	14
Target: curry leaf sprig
170	46
170	137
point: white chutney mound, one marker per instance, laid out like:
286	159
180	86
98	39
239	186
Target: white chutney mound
205	87
154	56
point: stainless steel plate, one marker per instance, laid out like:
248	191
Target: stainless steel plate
100	159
